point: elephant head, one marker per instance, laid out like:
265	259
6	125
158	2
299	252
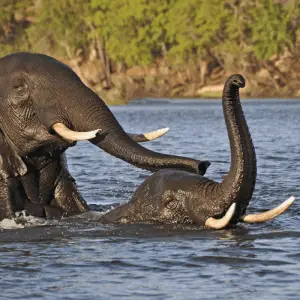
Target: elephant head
177	196
45	108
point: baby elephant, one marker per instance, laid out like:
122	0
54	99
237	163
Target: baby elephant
176	196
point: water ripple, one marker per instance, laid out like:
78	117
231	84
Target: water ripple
80	258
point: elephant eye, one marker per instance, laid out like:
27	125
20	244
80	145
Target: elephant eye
19	85
171	203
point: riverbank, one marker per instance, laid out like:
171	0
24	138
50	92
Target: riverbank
127	50
278	78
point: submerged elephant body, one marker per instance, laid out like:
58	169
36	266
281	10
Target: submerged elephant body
177	196
45	108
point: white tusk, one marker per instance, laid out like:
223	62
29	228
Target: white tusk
270	214
72	135
223	222
148	136
156	134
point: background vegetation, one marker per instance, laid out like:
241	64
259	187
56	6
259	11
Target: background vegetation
129	48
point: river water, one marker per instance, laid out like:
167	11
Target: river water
79	258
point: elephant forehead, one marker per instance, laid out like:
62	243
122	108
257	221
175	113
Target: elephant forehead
33	64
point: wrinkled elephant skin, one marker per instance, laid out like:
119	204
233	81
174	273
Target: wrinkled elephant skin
177	196
45	108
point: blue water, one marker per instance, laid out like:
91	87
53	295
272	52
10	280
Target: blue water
79	258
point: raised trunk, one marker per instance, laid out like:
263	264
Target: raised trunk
239	183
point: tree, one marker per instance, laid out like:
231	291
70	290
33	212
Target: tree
193	26
60	26
270	29
13	24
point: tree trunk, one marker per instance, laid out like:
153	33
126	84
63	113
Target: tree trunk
203	64
104	62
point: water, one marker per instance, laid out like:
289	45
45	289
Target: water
79	258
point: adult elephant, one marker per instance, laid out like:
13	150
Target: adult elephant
44	109
176	196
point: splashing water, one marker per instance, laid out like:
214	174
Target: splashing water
21	220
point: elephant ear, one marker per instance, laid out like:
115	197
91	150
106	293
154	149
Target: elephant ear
11	164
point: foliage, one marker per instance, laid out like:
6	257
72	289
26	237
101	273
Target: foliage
13	24
138	32
270	29
132	29
193	26
59	26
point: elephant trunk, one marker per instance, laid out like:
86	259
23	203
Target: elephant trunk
115	141
238	185
120	145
